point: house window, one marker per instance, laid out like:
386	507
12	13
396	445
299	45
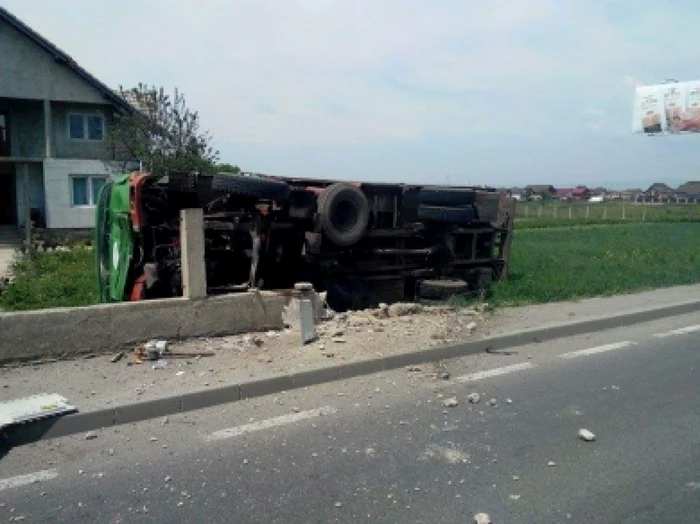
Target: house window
86	127
86	189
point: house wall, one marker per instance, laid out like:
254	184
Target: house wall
26	119
57	180
36	190
64	147
28	71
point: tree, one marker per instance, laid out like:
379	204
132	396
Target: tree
225	167
162	132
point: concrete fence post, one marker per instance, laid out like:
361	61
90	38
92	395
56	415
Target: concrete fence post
644	212
194	275
527	211
588	211
605	212
539	211
623	212
554	212
569	212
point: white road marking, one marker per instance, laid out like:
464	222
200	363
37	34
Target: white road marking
31	478
598	349
480	375
681	331
270	423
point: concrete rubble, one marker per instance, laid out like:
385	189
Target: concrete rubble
586	435
482	518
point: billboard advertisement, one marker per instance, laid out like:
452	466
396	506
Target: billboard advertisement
671	108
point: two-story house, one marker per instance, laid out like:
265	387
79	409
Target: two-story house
54	122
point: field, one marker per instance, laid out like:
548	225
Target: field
582	261
548	264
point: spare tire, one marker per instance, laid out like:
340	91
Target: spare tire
447	197
251	186
447	215
344	213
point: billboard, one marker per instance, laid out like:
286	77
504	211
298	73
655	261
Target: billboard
667	108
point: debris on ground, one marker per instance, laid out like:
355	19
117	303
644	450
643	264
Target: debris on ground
474	398
444	375
90	435
117	357
492	402
586	435
515	497
482	518
401	309
450	402
551	463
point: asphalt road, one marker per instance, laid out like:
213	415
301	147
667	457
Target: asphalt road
385	449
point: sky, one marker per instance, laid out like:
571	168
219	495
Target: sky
492	92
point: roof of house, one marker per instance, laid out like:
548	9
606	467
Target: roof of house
63	58
660	186
690	188
562	192
539	188
581	190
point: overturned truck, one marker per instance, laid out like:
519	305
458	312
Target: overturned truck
362	243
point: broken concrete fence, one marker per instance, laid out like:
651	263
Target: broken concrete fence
67	332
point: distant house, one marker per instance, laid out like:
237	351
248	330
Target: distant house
599	191
688	192
580	193
574	193
563	193
540	192
631	194
659	192
517	193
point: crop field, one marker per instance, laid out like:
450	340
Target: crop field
563	263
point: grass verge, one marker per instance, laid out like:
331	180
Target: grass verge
568	263
52	279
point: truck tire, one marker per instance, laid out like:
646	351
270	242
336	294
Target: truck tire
344	213
441	289
447	197
251	186
446	215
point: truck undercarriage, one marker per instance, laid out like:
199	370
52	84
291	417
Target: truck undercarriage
363	243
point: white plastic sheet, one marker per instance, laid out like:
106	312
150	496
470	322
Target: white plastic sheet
667	108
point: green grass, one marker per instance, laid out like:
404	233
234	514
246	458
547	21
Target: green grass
567	263
52	279
548	264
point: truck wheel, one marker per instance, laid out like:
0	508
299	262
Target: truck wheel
251	186
441	289
344	213
447	197
447	215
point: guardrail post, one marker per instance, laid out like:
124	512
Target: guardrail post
194	275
